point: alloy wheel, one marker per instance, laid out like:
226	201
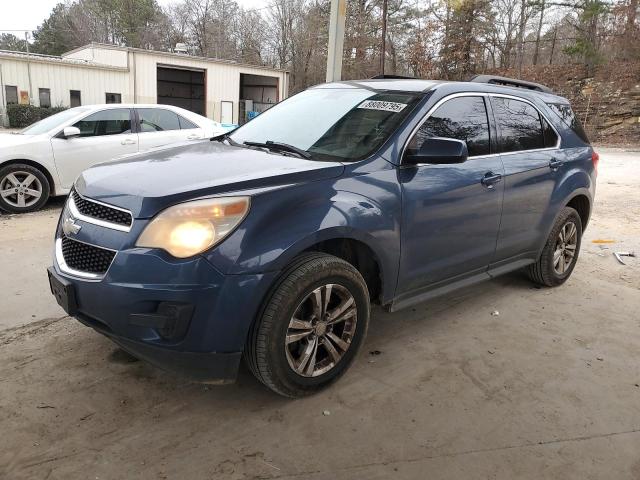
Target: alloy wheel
565	249
321	330
20	189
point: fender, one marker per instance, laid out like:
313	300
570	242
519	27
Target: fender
283	223
576	181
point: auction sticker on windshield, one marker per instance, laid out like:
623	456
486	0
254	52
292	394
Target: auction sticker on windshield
380	105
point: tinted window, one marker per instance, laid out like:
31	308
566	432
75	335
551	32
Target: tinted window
12	94
331	123
550	136
45	97
49	123
113	98
569	118
157	120
74	98
186	124
106	122
519	124
463	118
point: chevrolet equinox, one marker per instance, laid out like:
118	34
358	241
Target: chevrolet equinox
270	242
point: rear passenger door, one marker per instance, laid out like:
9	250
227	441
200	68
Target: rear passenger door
161	126
450	213
533	164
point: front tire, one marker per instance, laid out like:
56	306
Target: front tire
23	188
560	253
311	327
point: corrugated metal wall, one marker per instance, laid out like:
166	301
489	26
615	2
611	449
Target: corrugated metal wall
222	80
132	73
60	78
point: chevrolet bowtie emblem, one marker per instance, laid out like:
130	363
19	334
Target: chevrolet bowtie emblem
70	227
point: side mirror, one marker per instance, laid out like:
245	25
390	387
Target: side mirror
439	151
70	132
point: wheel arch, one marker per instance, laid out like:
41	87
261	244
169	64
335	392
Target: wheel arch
357	248
580	197
581	203
361	256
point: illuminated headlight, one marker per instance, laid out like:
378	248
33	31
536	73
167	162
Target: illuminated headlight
190	228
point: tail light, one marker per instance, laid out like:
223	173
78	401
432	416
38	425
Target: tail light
595	158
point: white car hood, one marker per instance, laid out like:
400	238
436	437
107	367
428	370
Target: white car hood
14	140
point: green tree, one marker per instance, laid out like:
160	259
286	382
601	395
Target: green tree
56	34
8	41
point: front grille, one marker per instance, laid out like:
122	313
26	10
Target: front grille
86	258
101	212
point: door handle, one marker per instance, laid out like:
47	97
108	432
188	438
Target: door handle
554	164
490	179
127	141
194	136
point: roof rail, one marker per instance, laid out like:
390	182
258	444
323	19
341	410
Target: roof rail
510	82
392	77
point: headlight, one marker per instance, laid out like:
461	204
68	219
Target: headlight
189	228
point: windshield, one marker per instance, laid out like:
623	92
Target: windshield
344	124
46	124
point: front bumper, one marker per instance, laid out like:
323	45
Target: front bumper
137	284
206	367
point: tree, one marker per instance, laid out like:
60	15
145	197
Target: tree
466	30
587	43
9	41
55	36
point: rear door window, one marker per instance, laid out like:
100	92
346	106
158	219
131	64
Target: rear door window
186	124
550	135
106	122
519	125
158	120
461	118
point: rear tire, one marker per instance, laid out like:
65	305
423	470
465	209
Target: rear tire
560	253
311	326
23	188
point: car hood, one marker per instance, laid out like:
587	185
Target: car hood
149	182
14	139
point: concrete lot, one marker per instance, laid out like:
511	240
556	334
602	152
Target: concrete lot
549	388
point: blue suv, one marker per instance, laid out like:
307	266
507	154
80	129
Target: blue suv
270	242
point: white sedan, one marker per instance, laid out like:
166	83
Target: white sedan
44	159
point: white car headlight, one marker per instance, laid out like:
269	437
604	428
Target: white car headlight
190	228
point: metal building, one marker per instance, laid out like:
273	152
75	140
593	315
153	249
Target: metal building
223	90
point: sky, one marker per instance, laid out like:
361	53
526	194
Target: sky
28	14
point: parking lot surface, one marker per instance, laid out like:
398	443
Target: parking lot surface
501	380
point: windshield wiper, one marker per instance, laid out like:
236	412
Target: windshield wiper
224	136
280	147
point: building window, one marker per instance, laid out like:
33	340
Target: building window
114	98
45	97
75	100
11	92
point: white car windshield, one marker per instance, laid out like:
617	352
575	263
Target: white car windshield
46	124
345	124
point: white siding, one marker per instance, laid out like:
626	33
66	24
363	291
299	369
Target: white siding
222	80
60	78
130	72
105	56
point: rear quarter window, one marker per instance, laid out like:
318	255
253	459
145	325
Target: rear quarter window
569	118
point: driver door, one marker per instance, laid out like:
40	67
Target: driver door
104	135
451	213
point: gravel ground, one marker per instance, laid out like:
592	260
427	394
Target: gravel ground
549	388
